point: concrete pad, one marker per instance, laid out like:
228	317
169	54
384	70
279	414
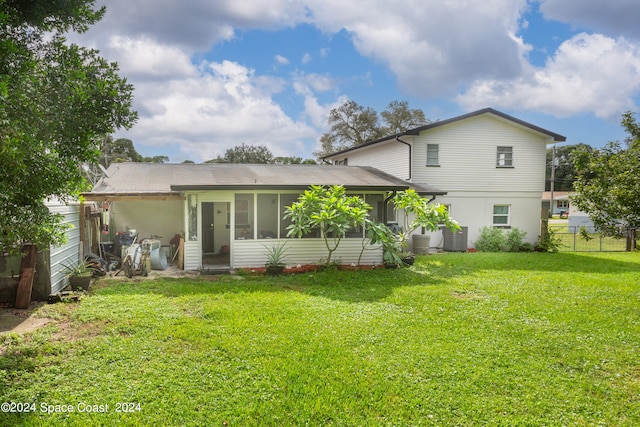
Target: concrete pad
20	321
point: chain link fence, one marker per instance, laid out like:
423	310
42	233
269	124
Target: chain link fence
586	239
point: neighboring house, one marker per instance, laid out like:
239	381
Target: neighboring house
230	213
560	202
491	165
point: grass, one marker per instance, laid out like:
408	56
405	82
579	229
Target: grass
458	339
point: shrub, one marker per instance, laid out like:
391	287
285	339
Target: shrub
515	240
495	240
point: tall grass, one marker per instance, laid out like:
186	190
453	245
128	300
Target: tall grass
459	339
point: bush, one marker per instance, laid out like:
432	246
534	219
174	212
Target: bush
495	240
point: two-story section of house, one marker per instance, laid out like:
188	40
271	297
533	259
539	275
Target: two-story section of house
490	164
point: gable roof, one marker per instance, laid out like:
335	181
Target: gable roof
416	131
140	179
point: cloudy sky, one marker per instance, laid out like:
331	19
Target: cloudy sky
213	74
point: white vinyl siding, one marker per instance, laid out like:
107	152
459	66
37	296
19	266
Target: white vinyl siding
467	156
391	157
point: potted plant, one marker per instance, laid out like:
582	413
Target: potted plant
275	259
79	275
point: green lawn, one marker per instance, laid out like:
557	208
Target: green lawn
458	339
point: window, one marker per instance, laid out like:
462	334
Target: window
192	214
500	215
286	200
504	157
244	216
377	203
432	155
344	162
563	204
267	216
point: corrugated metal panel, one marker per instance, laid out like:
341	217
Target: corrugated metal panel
69	253
252	253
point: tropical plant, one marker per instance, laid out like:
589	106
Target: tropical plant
418	212
328	209
380	234
275	255
80	269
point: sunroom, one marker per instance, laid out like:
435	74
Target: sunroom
229	215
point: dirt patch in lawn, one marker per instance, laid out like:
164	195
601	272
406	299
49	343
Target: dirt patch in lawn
21	321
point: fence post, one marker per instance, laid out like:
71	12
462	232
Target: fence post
631	239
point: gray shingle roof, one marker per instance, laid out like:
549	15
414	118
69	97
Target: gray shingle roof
158	178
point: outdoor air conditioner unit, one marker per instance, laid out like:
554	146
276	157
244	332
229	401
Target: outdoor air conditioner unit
455	241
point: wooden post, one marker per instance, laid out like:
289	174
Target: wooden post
181	254
27	272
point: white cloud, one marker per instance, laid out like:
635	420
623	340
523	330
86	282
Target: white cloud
282	60
432	46
588	73
225	105
619	17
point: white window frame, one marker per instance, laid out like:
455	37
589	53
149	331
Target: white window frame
504	156
500	215
433	160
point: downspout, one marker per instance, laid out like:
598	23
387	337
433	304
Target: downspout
410	159
385	218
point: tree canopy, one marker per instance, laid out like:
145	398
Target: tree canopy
257	154
565	172
352	124
122	150
607	185
57	100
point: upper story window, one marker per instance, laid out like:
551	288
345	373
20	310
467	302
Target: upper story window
504	158
433	158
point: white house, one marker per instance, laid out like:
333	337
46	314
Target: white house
229	214
491	166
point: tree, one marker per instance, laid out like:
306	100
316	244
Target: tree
118	151
352	124
398	117
245	154
565	172
329	210
608	181
257	154
57	100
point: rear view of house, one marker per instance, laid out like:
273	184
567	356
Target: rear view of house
491	166
230	214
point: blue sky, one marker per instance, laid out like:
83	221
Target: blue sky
210	75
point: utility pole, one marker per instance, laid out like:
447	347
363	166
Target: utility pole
553	178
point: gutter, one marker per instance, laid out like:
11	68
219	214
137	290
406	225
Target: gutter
410	156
